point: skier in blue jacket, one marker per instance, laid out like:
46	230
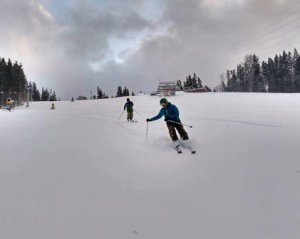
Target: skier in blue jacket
171	114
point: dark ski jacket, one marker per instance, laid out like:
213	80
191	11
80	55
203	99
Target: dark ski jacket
129	106
171	112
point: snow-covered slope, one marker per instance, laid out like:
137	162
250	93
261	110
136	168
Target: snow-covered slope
80	172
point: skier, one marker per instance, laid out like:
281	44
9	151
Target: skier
9	104
129	106
171	114
52	106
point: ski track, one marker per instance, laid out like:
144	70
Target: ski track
126	126
243	122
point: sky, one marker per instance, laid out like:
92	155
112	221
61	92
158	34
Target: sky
73	46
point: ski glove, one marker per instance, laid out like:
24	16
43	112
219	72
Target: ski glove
148	120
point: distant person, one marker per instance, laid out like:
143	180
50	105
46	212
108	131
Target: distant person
9	104
171	114
52	106
129	106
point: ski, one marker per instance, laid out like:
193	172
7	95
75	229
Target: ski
188	147
178	149
192	151
177	145
132	121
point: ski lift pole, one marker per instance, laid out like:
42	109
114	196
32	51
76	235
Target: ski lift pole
171	121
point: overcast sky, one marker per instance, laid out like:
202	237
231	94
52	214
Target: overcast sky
72	46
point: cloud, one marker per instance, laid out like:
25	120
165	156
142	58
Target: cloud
74	46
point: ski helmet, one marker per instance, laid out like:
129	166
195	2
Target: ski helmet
163	101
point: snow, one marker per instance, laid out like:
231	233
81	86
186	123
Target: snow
80	172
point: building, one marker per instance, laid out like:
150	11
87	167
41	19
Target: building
166	88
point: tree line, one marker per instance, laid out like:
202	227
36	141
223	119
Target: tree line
191	82
123	92
45	95
13	84
280	74
100	94
12	80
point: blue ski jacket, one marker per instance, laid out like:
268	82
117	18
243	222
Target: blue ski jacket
171	112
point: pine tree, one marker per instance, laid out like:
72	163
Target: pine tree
295	56
199	83
22	81
189	82
2	75
8	76
285	74
45	94
290	73
241	78
52	96
119	91
265	74
125	92
248	73
297	75
228	78
276	74
14	86
36	96
194	81
234	81
99	93
258	83
270	76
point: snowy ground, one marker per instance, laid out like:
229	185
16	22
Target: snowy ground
79	172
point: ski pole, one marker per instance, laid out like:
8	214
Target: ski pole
190	126
147	131
121	114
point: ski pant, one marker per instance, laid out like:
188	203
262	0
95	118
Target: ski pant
179	127
129	116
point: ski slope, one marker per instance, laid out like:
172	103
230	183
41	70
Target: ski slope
81	172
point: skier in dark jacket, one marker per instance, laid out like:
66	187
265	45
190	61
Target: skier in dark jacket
171	114
129	106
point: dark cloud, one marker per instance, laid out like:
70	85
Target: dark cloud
75	46
87	30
